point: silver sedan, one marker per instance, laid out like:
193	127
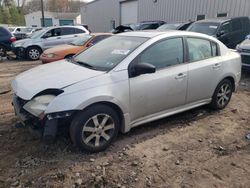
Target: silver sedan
125	81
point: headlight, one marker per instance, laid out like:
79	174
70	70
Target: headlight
51	55
39	104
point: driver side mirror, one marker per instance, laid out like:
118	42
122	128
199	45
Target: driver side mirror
142	68
220	33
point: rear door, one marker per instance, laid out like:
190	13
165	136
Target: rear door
204	68
68	34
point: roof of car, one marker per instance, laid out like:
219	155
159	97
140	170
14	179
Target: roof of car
218	20
170	33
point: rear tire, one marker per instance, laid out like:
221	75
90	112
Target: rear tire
222	95
3	52
95	128
33	53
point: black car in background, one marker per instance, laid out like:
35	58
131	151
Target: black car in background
145	25
6	39
174	26
230	31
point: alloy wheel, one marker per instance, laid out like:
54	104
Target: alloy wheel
98	130
34	54
224	94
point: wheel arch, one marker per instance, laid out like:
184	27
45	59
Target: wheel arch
231	79
117	109
36	46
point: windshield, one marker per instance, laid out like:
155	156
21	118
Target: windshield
37	34
168	26
108	53
206	28
81	41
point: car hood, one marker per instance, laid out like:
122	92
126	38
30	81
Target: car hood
245	44
62	48
50	76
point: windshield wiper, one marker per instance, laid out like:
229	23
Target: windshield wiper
82	63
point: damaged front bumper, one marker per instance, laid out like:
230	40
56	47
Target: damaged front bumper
47	125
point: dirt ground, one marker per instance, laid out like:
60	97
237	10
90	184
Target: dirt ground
198	148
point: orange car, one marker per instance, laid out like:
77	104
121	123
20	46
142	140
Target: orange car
68	50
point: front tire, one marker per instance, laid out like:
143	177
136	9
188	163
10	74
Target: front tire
33	53
222	95
95	128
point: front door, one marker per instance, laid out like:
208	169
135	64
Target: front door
52	38
164	89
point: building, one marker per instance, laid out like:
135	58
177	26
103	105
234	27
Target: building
34	19
102	15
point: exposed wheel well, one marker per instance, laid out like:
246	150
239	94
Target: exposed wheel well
116	108
231	79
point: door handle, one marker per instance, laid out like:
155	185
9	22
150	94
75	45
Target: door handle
180	76
216	65
75	35
58	38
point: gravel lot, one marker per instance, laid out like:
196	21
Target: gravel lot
198	148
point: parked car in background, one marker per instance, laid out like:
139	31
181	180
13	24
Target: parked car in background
68	50
146	25
6	39
124	81
33	47
174	26
244	50
21	32
229	31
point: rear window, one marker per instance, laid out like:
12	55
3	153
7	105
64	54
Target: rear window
78	31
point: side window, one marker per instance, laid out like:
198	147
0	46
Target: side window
67	31
199	49
48	34
246	24
78	31
215	51
226	27
57	32
163	54
236	25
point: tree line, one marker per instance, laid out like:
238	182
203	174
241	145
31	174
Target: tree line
10	13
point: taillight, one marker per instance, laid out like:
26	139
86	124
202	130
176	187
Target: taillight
13	39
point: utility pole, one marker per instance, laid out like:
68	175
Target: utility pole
42	9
